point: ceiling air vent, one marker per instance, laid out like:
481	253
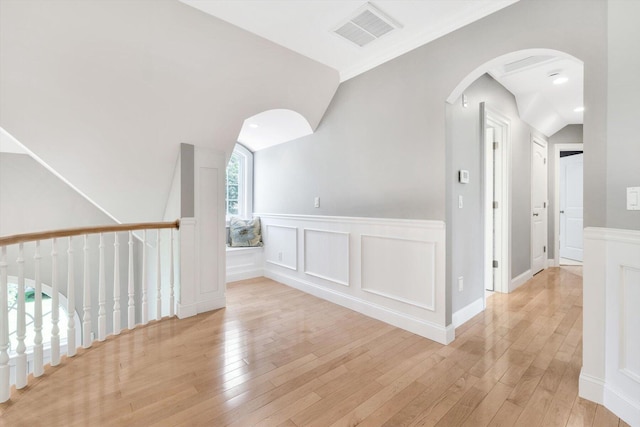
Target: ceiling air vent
368	24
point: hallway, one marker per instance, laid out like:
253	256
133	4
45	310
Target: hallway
277	356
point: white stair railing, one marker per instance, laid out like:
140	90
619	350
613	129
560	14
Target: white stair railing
94	282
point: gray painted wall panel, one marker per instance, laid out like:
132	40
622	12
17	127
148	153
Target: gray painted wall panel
623	145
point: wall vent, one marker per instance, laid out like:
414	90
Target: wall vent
366	25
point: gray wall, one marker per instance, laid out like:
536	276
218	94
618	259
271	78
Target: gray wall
115	86
466	225
380	149
570	134
623	127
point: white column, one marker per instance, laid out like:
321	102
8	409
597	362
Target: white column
71	301
86	298
102	312
55	306
187	305
131	302
116	285
38	364
21	358
4	328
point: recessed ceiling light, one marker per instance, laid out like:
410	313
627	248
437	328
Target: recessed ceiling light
578	109
560	80
253	125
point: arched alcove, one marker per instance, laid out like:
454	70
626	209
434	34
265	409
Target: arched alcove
273	127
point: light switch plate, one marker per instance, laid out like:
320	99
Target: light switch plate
633	198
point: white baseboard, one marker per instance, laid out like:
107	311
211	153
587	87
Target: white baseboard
591	388
620	405
520	280
188	310
443	335
212	304
551	262
461	316
244	275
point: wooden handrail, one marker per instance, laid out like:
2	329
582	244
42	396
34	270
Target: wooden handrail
44	235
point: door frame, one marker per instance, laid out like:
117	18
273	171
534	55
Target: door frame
557	148
545	144
502	124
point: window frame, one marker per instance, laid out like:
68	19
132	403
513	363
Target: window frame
245	183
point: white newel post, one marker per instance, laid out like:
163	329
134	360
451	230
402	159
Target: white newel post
187	290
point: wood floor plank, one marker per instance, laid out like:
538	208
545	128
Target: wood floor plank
278	357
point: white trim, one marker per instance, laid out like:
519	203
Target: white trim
612	234
537	140
244	275
187	310
321	276
417	223
520	280
620	405
551	262
397	298
466	313
504	123
591	388
557	148
432	331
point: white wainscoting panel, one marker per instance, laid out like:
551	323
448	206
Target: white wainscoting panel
400	269
281	245
630	322
326	255
611	355
244	263
392	270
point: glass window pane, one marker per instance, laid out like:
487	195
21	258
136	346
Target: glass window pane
233	208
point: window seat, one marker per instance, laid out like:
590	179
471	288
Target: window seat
244	263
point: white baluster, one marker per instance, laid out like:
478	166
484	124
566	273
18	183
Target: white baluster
21	358
102	313
131	303
145	304
171	278
38	363
86	297
158	281
4	329
55	307
116	286
71	302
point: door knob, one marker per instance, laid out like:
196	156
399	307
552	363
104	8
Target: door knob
561	211
535	214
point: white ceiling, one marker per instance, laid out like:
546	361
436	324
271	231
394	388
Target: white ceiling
544	105
306	26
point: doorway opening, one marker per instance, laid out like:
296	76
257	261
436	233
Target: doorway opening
568	214
496	165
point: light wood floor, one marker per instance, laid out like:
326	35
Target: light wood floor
277	356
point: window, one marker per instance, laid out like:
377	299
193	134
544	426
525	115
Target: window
239	186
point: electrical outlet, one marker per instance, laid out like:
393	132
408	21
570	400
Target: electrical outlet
316	202
460	284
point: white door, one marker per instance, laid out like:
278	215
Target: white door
538	205
571	207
